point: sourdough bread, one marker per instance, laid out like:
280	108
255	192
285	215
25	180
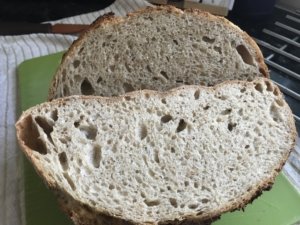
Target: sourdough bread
156	48
147	157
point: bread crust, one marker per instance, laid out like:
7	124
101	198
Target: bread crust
84	215
109	19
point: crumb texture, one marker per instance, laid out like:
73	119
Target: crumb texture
150	157
157	49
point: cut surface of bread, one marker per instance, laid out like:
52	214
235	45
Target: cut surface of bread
157	49
151	157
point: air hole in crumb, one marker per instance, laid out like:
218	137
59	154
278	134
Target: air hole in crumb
65	140
79	162
147	95
275	114
163	101
166	118
156	156
76	63
179	81
151	203
148	68
87	88
197	94
54	115
206	107
259	87
186	183
114	148
111	187
279	102
231	126
99	80
63	160
199	212
223	97
172	150
193	206
263	72
142	131
175	42
127	98
89	131
181	126
46	126
76	124
276	91
70	181
218	49
128	87
77	78
80	50
247	146
96	156
164	74
208	40
269	86
205	200
173	202
196	184
151	173
226	112
128	67
138	179
245	54
243	90
143	195
240	112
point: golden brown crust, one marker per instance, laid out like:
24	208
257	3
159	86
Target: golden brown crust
85	215
110	19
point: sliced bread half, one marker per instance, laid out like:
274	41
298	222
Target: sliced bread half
147	157
156	48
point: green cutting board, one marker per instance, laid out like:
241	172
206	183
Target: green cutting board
280	206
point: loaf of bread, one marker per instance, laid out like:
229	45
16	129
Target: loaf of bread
184	156
156	48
